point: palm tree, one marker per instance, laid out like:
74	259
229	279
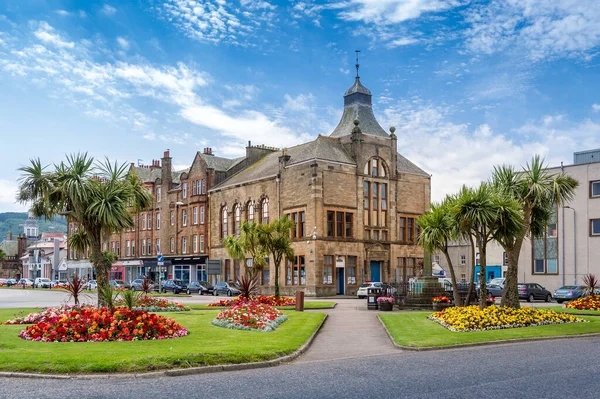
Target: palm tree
537	191
247	244
98	197
481	212
438	228
275	238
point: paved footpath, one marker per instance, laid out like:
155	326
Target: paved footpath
350	331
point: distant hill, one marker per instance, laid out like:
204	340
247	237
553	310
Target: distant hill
11	221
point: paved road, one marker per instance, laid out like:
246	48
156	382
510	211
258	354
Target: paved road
524	370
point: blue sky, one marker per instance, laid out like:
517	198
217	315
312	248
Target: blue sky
468	84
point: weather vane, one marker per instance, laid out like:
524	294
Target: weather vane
357	64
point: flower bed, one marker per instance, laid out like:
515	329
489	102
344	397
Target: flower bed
44	315
258	299
89	324
591	302
151	304
471	318
250	316
386	299
440	299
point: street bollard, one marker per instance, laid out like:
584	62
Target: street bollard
299	301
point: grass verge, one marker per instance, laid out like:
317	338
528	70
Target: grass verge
307	305
413	329
205	345
572	311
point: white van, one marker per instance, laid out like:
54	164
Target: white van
41	282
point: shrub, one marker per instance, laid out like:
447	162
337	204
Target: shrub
472	318
591	283
248	285
130	298
75	287
250	316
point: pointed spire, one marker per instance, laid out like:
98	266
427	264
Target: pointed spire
357	64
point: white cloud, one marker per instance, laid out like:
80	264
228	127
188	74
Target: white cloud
63	13
457	154
46	34
392	11
403	41
596	107
300	103
219	21
124	43
538	29
8	192
108	10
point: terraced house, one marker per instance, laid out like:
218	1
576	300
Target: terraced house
353	197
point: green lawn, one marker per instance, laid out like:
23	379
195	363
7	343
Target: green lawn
307	305
413	329
572	311
205	345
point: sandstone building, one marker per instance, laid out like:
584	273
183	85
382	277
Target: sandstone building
353	197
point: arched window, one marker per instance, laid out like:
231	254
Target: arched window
224	222
250	208
237	216
265	211
375	167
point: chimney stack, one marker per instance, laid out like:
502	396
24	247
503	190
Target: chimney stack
9	236
166	173
208	151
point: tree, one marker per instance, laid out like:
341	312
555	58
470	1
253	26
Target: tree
247	245
481	212
98	197
275	238
537	191
2	255
438	228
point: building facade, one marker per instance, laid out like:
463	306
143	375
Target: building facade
353	197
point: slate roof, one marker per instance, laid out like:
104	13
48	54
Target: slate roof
10	247
405	166
324	148
357	87
219	163
147	174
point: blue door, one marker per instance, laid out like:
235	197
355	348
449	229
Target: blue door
340	280
375	271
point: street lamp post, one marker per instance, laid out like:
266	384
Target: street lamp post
574	244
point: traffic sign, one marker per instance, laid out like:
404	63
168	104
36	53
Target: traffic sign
160	259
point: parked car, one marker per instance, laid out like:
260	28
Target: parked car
175	286
59	283
41	282
118	284
201	287
136	285
497	281
226	288
26	282
492	289
533	291
363	290
569	293
91	285
11	281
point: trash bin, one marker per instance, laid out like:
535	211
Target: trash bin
299	301
372	295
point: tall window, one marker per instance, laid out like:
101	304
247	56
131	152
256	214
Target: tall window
594	227
375	205
158	221
202	214
143	221
144	246
118	248
328	270
184	217
237	219
172	245
299	219
195	244
158	194
149	242
202	243
351	270
127	248
150	221
227	269
407	229
463	260
224	222
545	249
195	215
184	190
133	248
158	245
250	213
296	271
265	211
184	245
339	224
375	168
172	218
194	187
595	189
